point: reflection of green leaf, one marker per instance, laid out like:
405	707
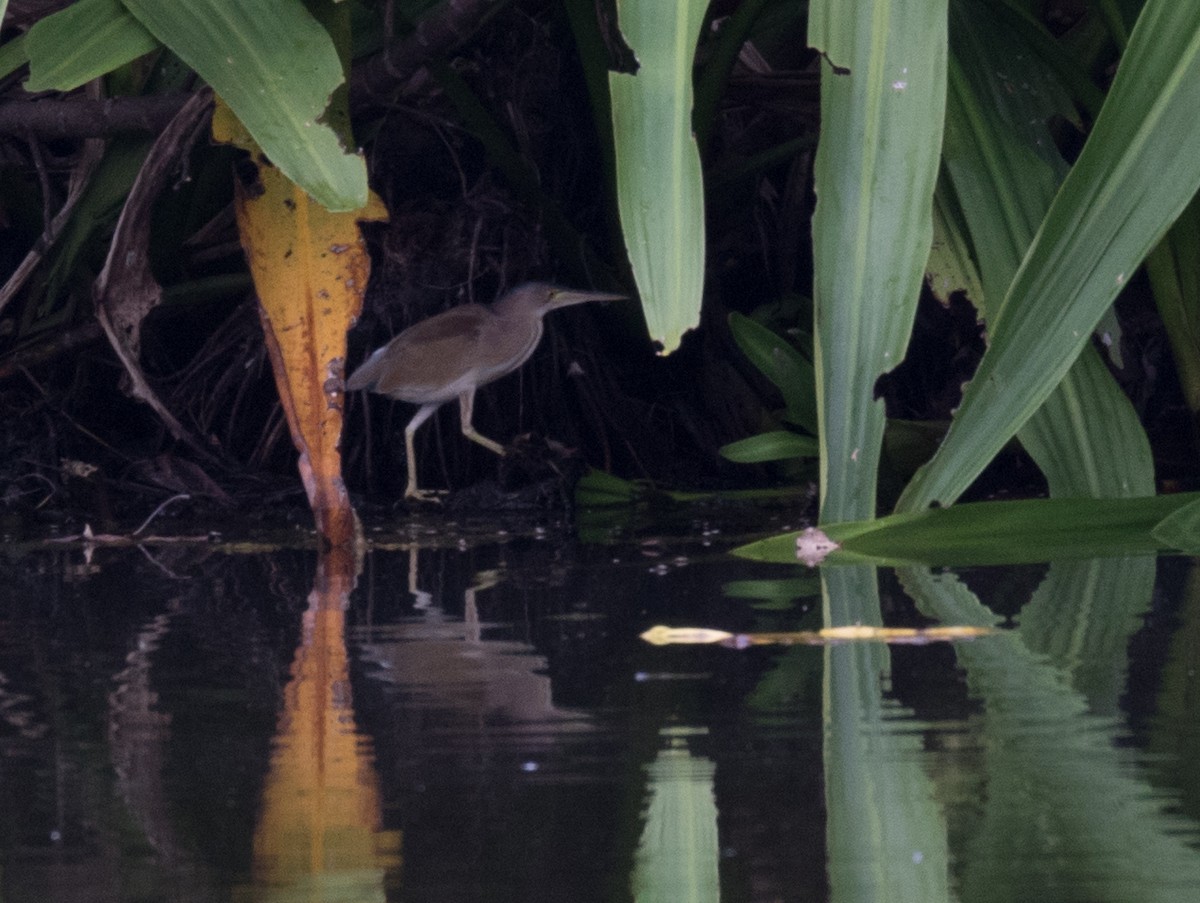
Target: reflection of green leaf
773	593
881	804
1056	775
599	489
778	445
1009	532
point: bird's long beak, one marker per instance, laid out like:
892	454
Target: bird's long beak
565	297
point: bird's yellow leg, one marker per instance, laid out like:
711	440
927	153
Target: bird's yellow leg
466	410
411	491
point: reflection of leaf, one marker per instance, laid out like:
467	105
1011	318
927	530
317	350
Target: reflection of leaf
319	824
773	594
1056	774
789	588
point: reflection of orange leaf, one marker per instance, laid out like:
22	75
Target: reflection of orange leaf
310	269
319	834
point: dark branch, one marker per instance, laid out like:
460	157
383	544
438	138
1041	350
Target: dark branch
439	33
51	118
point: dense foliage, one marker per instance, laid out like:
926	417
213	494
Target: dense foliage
1023	157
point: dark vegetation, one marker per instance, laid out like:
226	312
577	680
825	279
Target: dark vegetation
74	441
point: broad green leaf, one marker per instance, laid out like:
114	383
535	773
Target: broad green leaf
1008	532
778	445
13	55
1130	183
1005	168
83	42
660	192
951	267
276	67
1181	529
876	164
790	371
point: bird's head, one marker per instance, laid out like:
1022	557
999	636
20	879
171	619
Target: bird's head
539	298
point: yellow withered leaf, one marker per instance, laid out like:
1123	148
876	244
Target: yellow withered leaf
310	269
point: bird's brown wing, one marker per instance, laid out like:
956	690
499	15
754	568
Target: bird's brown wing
431	355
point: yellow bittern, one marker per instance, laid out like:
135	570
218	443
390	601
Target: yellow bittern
453	353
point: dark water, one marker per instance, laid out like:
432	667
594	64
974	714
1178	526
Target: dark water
481	722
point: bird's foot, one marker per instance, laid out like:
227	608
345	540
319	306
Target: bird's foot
425	496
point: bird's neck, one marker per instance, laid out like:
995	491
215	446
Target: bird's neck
509	310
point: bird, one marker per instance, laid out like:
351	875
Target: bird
451	354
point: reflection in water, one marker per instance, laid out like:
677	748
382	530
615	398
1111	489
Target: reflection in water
138	734
679	854
1067	807
443	662
239	732
318	837
886	835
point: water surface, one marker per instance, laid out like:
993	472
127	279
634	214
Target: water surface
474	718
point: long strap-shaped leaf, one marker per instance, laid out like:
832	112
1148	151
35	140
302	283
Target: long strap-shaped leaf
881	131
660	192
999	152
1137	171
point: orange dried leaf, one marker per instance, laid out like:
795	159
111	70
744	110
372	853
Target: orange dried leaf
310	269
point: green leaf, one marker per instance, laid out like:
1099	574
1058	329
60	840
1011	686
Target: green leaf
876	164
599	489
1009	532
951	267
83	42
276	67
779	445
660	192
1130	183
13	55
783	365
1005	168
1181	529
